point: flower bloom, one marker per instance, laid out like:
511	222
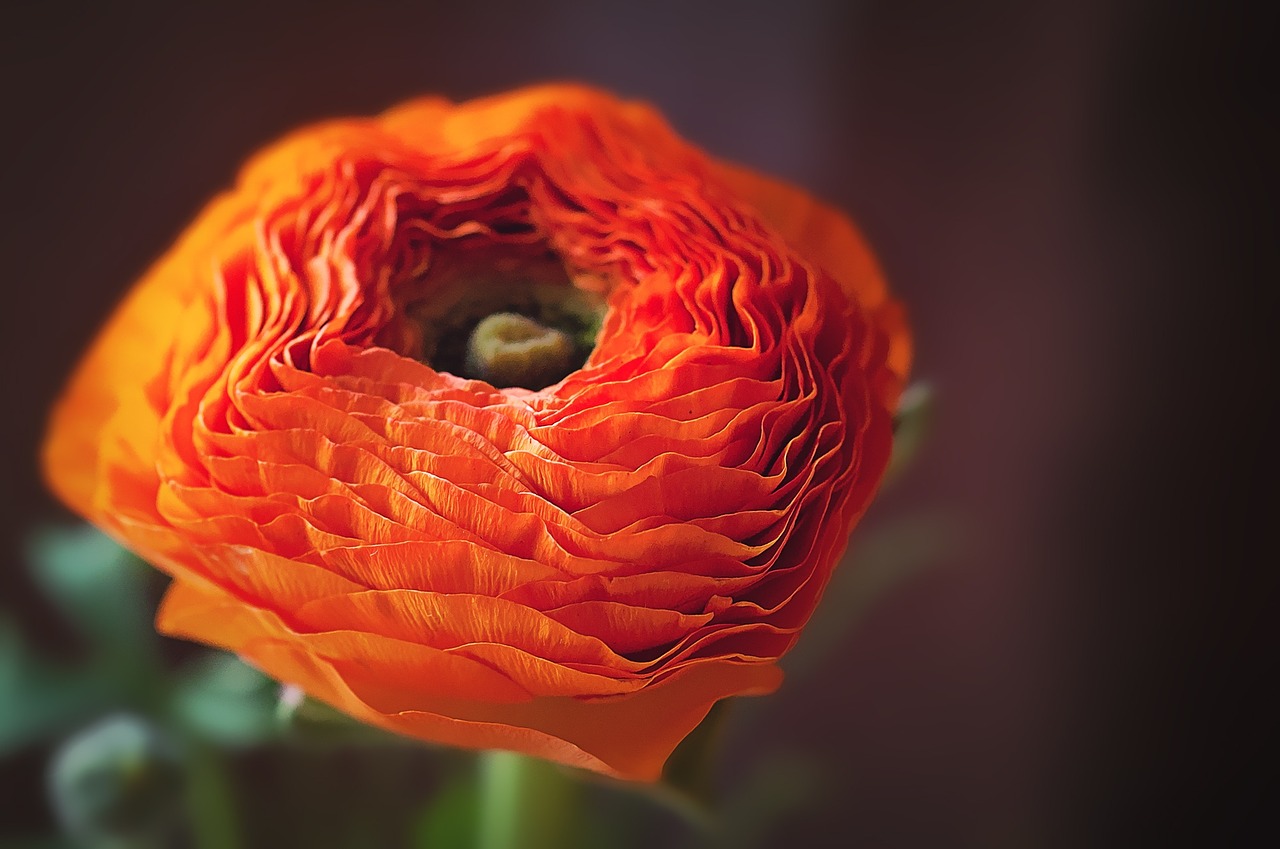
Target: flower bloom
279	416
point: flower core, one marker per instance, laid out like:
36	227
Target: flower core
509	349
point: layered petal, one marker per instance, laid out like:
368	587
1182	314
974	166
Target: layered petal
577	571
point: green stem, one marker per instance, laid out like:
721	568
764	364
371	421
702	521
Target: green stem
524	802
214	818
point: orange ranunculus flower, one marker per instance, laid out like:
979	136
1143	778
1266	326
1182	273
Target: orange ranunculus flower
282	416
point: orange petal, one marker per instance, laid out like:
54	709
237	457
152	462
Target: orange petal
629	736
827	237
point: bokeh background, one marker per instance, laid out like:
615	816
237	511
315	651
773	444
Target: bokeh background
1066	196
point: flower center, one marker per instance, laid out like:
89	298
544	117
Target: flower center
525	326
509	349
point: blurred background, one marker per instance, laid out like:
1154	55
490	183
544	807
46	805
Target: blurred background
1066	196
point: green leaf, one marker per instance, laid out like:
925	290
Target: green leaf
38	699
911	425
779	787
688	778
220	698
878	562
101	589
308	721
40	842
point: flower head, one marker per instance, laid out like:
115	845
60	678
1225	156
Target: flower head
519	423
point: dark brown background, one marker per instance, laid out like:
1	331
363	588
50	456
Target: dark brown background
1065	196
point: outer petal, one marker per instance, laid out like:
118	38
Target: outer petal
431	124
108	414
627	736
827	236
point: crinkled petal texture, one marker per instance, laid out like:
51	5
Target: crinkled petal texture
577	572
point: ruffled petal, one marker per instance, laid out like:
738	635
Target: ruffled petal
577	571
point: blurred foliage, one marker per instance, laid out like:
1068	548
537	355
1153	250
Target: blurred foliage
118	783
217	698
450	818
879	561
100	590
911	425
